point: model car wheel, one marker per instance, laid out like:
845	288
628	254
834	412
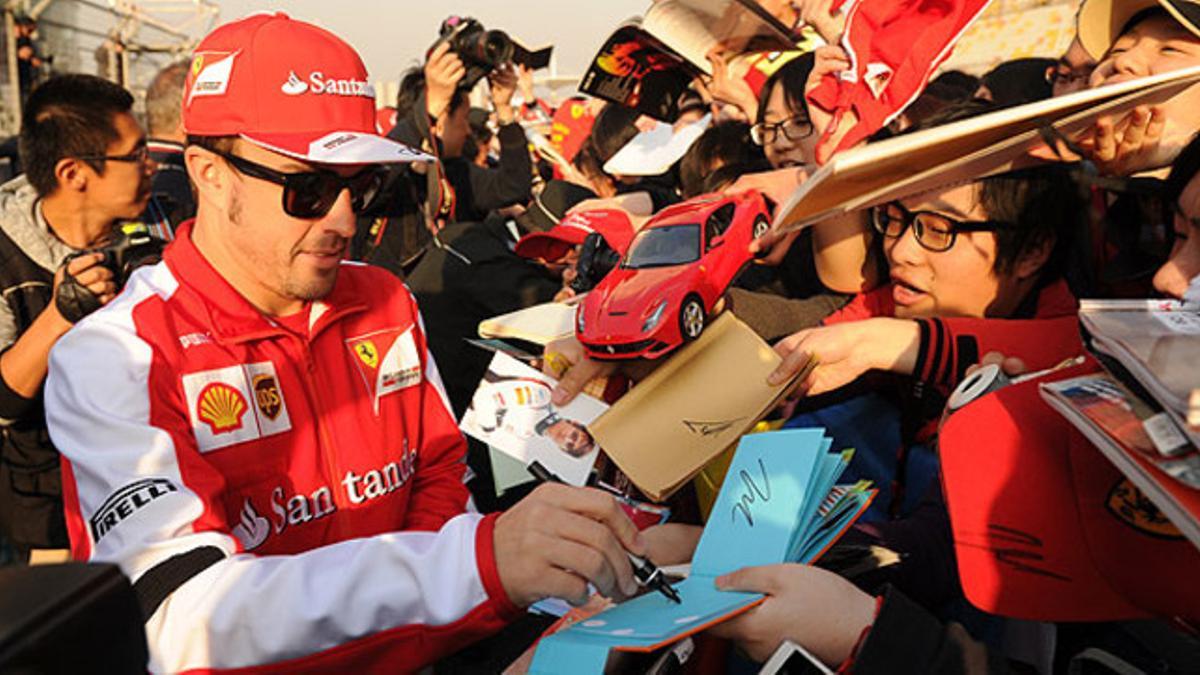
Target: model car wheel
691	318
761	225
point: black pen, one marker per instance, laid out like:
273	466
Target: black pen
646	573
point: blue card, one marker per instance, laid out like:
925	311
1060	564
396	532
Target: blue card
773	501
760	505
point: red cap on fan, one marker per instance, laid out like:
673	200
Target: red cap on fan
612	224
290	87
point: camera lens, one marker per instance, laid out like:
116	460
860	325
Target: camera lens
495	47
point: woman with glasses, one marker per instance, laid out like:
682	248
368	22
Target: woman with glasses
782	126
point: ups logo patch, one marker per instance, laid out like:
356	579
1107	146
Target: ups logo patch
267	397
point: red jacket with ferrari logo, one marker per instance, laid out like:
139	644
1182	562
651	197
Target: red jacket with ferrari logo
284	492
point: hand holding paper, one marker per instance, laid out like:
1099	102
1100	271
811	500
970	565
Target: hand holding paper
845	351
787	614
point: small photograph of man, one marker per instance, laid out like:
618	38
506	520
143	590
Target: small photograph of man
512	411
570	436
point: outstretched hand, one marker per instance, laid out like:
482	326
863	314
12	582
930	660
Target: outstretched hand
810	606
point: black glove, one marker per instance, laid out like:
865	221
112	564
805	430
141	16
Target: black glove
74	300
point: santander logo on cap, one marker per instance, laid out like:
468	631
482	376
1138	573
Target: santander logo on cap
319	83
294	85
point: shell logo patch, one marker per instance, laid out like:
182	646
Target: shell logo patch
221	407
1128	504
218	403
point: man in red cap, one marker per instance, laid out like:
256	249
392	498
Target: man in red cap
255	431
561	246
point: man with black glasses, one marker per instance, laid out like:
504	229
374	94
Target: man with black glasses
255	431
86	168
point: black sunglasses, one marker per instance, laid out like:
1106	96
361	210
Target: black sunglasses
310	194
934	231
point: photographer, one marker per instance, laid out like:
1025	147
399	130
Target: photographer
86	168
433	110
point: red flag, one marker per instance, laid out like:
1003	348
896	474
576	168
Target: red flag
894	47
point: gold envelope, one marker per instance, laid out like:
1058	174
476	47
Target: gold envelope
692	407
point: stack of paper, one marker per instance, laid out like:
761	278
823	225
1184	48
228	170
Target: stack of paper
539	324
1136	439
1158	343
778	504
691	408
1109	414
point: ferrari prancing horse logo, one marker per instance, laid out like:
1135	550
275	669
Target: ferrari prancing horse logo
367	353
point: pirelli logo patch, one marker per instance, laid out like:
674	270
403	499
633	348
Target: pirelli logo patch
235	404
127	501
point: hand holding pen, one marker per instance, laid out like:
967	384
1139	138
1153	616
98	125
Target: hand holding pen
556	541
646	572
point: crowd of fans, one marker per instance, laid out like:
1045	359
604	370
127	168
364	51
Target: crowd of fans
260	429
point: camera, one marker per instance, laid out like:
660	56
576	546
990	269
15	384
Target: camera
481	50
596	260
132	247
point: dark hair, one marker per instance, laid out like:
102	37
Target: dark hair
933	100
1045	203
477	119
1149	13
69	116
412	85
722	177
217	144
1019	81
1183	170
613	128
722	144
164	99
956	84
793	77
588	164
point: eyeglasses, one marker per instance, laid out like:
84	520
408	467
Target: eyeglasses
934	231
1067	76
310	194
139	155
793	128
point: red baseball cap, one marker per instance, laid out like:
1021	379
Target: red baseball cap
612	224
1046	528
289	87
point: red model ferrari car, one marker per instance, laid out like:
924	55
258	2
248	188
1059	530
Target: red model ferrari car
669	281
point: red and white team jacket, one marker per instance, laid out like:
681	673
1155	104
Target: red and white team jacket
281	492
